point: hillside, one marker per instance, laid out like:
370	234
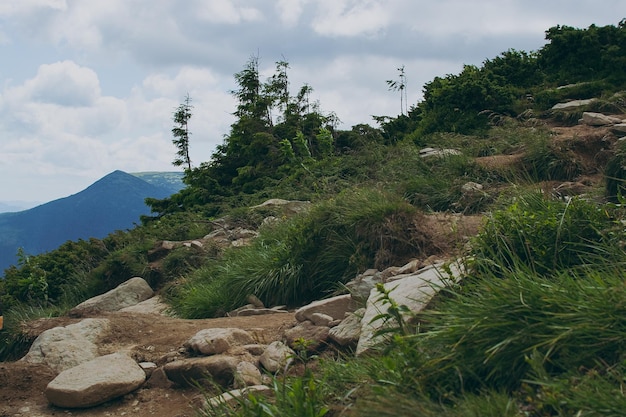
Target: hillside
114	202
511	174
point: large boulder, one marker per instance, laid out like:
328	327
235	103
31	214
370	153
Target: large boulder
63	348
203	370
277	356
336	307
218	340
414	291
127	294
95	382
573	104
348	331
314	337
599	119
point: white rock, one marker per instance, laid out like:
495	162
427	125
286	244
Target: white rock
62	348
218	340
572	104
348	331
127	294
247	374
336	307
599	119
414	291
277	357
95	382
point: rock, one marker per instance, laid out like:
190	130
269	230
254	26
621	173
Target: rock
336	307
599	119
63	348
412	266
572	104
232	398
250	310
619	129
277	356
126	294
148	368
95	382
203	370
255	349
320	319
348	331
247	374
293	206
361	286
158	379
254	300
152	305
414	291
314	337
440	153
471	187
219	340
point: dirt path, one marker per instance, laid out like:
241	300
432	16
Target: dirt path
150	338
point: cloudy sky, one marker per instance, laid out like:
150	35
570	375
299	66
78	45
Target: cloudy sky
90	86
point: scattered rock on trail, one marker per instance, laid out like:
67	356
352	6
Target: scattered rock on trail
95	382
277	357
336	307
220	340
63	348
207	369
126	294
348	331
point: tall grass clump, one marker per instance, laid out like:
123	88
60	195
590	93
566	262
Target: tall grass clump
545	160
509	343
307	257
544	233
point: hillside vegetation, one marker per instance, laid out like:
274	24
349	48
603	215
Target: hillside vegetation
537	326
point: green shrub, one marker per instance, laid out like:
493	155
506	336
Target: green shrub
543	233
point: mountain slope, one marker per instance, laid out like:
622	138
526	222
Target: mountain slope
115	202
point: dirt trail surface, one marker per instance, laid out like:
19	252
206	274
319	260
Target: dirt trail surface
149	337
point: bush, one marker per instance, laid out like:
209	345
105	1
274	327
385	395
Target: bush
543	233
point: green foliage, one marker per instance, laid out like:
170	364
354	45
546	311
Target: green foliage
306	258
615	175
543	233
181	133
296	397
546	160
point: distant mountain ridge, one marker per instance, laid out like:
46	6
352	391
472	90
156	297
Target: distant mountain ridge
114	202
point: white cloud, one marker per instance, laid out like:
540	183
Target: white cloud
225	11
64	83
290	11
350	17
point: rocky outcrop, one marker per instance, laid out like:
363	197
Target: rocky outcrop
62	348
95	382
574	104
599	119
413	291
127	294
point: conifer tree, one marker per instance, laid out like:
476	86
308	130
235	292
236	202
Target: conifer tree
181	133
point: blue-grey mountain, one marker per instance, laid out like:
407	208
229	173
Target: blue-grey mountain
114	202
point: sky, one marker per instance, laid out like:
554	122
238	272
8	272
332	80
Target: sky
88	87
